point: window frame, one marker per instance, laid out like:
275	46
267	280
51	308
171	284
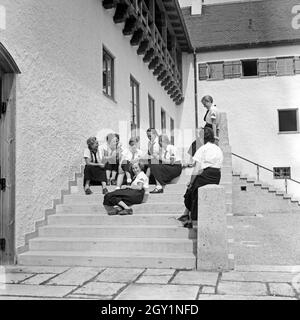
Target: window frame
163	120
151	107
242	68
106	52
297	120
134	105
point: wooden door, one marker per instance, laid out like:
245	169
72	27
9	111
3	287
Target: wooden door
7	163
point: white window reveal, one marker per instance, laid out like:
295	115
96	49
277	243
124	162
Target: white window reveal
288	120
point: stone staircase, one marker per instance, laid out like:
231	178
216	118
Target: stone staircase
252	197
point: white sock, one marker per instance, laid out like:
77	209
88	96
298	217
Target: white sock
159	187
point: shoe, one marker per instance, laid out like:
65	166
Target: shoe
88	191
104	191
157	191
183	218
113	212
188	224
113	182
125	212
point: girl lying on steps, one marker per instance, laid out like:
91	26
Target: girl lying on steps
118	201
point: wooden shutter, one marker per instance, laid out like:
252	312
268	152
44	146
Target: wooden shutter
272	63
216	71
228	69
202	71
297	65
285	66
263	67
236	69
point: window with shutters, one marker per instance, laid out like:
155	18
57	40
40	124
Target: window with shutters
285	66
108	74
215	71
249	68
288	120
202	69
172	127
267	67
163	121
232	69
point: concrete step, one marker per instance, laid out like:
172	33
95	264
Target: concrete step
108	259
98	198
117	231
104	219
114	244
163	207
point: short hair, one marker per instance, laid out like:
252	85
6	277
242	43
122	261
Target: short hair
164	138
133	140
152	130
209	135
207	98
139	163
110	136
90	141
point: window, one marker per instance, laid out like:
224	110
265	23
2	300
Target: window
172	128
232	69
288	120
108	74
282	173
249	68
215	70
202	69
285	66
163	121
135	107
151	104
267	67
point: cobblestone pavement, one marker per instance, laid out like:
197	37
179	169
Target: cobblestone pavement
251	282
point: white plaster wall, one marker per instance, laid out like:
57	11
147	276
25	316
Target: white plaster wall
251	106
58	48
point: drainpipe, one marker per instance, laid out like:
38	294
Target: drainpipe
195	89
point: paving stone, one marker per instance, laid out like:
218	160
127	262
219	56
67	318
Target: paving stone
35	290
39	278
75	276
14	277
87	297
159	272
154	279
99	289
196	277
242	288
267	268
281	289
119	275
35	269
208	290
238	297
158	292
258	276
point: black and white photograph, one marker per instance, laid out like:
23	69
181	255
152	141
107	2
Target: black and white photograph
149	150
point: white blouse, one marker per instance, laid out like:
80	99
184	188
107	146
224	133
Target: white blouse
155	146
129	156
209	155
213	114
141	178
88	154
170	151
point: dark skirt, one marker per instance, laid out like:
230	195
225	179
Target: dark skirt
129	196
112	166
126	166
208	176
164	173
96	175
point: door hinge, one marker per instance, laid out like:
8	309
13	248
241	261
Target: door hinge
2	184
2	244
